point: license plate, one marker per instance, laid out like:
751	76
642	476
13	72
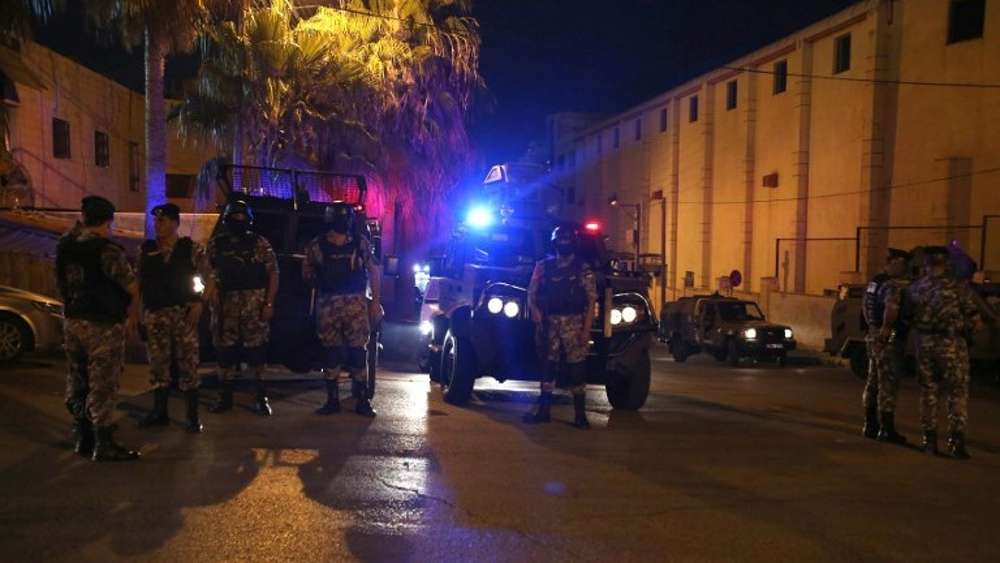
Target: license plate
776	346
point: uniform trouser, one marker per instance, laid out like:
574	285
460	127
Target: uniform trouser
343	329
237	325
943	368
564	335
170	336
885	368
95	353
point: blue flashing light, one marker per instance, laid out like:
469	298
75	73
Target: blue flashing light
479	217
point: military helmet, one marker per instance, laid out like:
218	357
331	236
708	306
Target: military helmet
234	207
564	234
338	210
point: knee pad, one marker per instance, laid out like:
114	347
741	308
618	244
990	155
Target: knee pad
356	358
227	357
334	357
256	355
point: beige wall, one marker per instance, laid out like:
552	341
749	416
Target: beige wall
848	153
88	101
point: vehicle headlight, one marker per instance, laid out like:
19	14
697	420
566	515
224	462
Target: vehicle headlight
198	285
629	314
494	305
616	317
789	334
750	333
50	308
511	309
426	328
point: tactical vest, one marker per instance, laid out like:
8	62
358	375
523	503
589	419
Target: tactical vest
89	293
236	263
343	269
562	288
873	302
167	284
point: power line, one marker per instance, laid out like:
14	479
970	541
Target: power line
867	80
982	172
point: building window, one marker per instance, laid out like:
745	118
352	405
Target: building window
965	20
180	185
616	139
663	120
102	149
638	129
60	138
133	167
693	109
842	54
780	76
731	95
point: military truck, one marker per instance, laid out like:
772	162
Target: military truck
288	207
729	329
482	326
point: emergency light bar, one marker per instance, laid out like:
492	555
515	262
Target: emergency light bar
592	226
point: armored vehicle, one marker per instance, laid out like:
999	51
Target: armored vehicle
481	326
729	329
288	207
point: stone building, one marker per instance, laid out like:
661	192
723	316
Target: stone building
799	163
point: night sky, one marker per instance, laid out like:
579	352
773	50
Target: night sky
545	56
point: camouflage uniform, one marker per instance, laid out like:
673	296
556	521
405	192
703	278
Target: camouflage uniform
171	336
885	357
95	351
342	322
944	314
566	335
236	318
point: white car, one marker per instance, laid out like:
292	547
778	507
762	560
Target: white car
29	322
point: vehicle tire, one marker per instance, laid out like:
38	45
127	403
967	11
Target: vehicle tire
732	353
15	338
458	374
631	388
859	362
434	366
678	350
721	355
782	360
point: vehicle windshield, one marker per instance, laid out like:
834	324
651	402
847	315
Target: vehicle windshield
504	247
739	311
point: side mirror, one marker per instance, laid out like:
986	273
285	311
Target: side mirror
391	266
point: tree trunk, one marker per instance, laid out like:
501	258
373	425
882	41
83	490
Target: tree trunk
156	124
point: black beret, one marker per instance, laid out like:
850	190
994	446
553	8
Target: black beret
97	209
167	210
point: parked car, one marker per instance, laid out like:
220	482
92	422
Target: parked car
730	329
28	322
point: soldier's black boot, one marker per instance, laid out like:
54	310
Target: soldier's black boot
225	401
543	413
332	398
106	449
887	431
871	423
193	421
263	403
929	445
157	416
956	445
580	409
83	437
364	404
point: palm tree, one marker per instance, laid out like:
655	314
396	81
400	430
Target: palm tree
16	16
162	27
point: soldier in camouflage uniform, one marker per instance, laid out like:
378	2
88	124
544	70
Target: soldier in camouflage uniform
241	292
170	275
944	315
886	340
99	290
341	265
561	298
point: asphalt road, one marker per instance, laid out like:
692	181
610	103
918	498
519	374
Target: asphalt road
756	463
